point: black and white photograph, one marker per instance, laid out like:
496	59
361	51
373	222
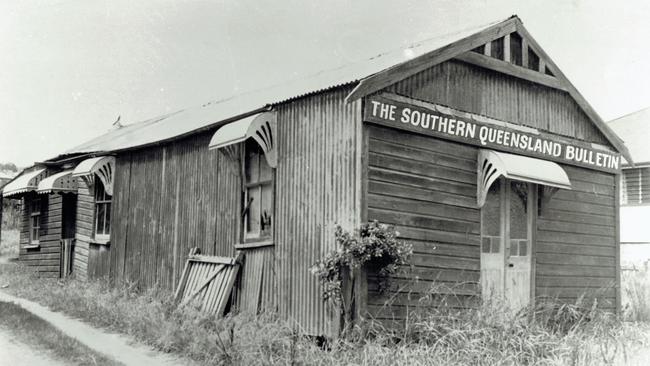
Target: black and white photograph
359	183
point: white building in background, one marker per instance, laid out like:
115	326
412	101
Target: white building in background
634	129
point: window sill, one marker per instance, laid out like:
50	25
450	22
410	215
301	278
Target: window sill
255	244
106	242
32	246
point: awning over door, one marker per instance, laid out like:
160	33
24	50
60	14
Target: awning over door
492	165
27	182
62	182
102	166
260	127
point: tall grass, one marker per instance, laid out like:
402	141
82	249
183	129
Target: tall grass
636	293
9	243
548	334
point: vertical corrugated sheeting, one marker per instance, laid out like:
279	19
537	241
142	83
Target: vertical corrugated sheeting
489	93
45	259
258	282
317	182
167	200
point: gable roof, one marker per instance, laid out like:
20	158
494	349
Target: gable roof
369	75
634	129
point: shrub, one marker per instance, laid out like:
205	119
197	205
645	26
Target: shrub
373	244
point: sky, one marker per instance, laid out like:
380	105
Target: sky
69	68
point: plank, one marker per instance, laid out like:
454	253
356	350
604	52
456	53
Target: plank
419	194
421	168
405	219
408	179
507	68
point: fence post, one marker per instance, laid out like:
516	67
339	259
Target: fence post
2	204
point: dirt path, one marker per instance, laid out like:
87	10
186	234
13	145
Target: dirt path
15	353
114	345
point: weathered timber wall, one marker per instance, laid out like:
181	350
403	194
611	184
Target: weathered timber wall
84	230
576	240
426	188
168	199
489	93
318	184
45	259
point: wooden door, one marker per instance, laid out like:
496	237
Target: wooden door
506	243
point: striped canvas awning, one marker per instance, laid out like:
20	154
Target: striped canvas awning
102	167
27	182
260	127
492	165
61	182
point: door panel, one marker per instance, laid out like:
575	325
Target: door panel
518	266
492	248
506	242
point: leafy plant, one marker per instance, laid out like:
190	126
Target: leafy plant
373	244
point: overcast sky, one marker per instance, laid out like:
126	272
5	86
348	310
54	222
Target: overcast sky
68	68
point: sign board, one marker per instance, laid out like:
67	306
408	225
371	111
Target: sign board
439	121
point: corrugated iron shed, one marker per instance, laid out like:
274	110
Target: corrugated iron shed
634	129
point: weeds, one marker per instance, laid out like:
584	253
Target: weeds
547	334
9	243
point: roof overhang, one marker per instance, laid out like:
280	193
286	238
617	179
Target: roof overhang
61	182
261	127
102	167
26	182
492	165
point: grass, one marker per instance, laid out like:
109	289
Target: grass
9	243
549	334
37	333
636	294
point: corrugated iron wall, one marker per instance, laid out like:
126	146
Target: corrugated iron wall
84	229
167	200
318	185
477	90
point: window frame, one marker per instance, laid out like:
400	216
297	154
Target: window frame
35	210
260	237
107	202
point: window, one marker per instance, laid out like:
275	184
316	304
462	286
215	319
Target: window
34	220
102	212
258	194
506	210
635	186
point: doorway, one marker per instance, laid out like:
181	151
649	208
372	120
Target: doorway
68	232
507	242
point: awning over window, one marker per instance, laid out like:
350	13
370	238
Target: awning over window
62	182
27	182
102	166
492	165
260	127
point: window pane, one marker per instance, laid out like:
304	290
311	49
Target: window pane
107	229
518	216
485	245
491	211
99	229
496	243
514	248
265	170
254	211
523	248
251	163
267	208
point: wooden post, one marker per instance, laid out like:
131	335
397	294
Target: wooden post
1	207
524	52
506	48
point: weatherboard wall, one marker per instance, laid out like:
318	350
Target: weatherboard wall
47	256
426	187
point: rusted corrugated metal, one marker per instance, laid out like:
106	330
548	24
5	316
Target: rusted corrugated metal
169	199
477	90
318	184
